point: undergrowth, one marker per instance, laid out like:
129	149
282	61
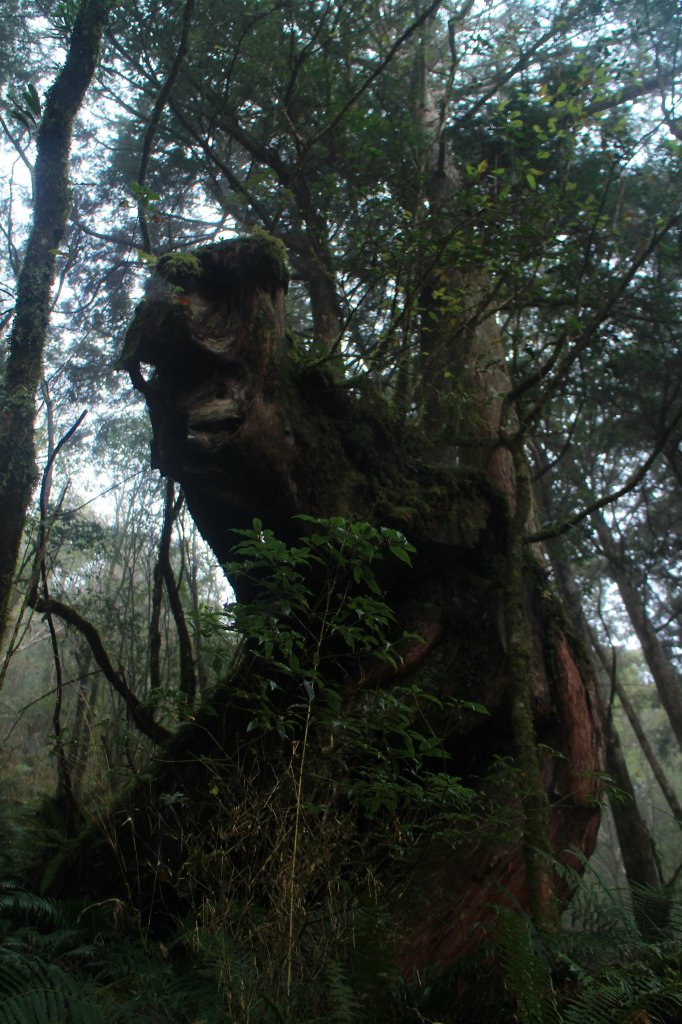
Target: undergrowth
57	965
283	870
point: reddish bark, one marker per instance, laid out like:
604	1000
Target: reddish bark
249	432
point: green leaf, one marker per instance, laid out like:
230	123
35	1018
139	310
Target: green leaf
471	705
309	688
32	100
144	194
21	117
400	553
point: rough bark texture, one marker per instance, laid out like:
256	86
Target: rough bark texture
250	430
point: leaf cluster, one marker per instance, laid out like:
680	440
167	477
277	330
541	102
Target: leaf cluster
322	636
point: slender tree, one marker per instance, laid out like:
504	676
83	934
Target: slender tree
23	367
662	670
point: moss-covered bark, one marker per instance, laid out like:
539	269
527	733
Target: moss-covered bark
251	431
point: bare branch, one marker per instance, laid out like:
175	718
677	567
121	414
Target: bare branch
633	480
140	715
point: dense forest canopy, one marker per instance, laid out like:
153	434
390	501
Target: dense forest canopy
391	293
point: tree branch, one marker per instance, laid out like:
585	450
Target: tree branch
608	499
380	68
140	715
586	334
157	111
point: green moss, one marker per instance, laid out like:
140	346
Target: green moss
275	250
454	506
173	264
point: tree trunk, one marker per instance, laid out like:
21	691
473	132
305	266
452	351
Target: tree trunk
463	386
650	902
650	899
23	369
647	749
81	734
250	432
663	673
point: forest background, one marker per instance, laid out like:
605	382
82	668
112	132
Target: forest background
424	166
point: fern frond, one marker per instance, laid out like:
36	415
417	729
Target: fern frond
527	970
342	1003
16	903
633	996
35	992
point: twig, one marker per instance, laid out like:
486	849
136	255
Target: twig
63	765
608	499
294	854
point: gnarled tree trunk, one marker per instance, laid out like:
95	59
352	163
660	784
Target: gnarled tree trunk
250	431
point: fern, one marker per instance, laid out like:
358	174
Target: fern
607	974
342	1003
527	970
154	983
17	904
617	974
35	992
34	987
620	996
